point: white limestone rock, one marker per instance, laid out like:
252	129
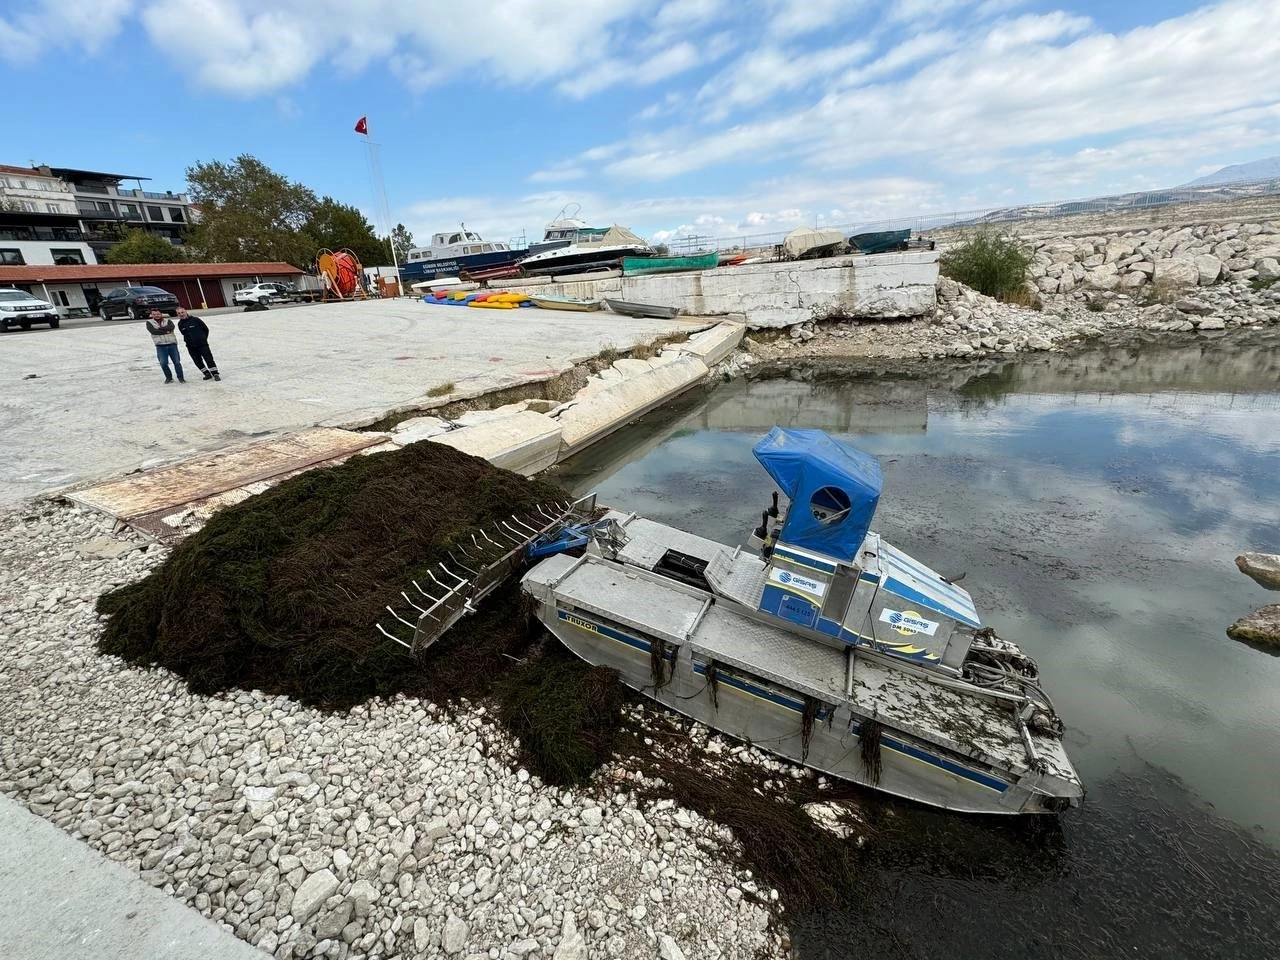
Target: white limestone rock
315	890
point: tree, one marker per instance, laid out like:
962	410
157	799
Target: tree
337	225
142	246
402	240
250	212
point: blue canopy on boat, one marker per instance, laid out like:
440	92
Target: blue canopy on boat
833	490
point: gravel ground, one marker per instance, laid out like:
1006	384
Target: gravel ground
395	830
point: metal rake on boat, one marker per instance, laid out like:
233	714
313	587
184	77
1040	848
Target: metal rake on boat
479	563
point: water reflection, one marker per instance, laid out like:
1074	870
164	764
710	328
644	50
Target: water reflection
1097	504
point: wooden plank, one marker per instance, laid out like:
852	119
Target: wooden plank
168	488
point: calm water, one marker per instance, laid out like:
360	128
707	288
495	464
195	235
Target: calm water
1096	504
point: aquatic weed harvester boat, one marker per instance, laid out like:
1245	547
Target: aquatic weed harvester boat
818	642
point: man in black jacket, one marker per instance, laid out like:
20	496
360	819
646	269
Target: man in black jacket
196	334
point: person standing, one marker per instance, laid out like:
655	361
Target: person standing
165	337
196	333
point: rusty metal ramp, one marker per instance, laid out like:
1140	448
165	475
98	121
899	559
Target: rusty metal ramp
169	502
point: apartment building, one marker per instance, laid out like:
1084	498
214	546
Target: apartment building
55	215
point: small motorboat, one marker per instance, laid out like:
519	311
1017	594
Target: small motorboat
629	308
564	303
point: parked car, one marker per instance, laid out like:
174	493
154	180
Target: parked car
20	309
262	293
136	302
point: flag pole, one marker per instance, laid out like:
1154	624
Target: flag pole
380	194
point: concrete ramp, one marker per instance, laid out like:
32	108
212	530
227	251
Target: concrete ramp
605	406
158	502
525	442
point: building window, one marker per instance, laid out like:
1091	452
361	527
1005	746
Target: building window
104	206
59	297
175	214
11	258
155	213
53	208
66	257
131	211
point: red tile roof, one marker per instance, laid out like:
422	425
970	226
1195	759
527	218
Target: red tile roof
40	273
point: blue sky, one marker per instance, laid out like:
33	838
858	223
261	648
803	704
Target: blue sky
715	117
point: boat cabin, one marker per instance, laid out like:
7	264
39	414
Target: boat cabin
454	244
826	572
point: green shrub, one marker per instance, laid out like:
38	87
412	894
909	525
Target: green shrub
992	264
1257	283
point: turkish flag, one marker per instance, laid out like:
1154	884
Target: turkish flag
362	126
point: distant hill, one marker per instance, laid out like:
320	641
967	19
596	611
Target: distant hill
1263	169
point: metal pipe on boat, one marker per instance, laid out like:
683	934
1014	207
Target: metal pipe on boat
848	672
578	561
402	619
393	637
706	605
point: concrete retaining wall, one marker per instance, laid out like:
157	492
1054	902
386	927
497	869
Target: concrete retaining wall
530	436
779	294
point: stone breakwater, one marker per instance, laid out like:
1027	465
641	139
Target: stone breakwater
394	830
1176	256
1205	277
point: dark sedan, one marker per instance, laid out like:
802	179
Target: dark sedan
136	302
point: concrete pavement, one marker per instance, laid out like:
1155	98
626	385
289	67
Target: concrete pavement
89	401
60	899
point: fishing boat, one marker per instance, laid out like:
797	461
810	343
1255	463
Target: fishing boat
882	241
564	303
819	641
629	308
452	252
584	253
639	266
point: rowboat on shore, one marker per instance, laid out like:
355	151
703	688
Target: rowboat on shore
629	308
640	266
564	303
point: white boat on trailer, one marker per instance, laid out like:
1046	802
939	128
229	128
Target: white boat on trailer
826	646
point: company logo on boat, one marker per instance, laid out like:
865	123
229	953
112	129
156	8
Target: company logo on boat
907	622
797	582
578	622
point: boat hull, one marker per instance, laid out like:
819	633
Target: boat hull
629	309
418	270
774	723
640	266
565	303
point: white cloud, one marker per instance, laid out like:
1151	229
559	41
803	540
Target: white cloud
796	17
763	74
558	173
1027	83
608	73
89	24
